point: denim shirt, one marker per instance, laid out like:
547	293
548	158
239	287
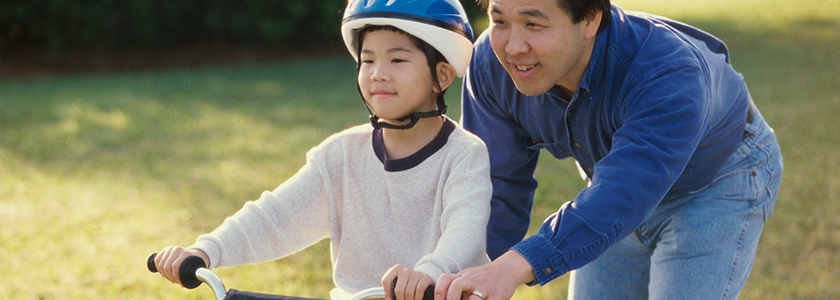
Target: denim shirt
657	112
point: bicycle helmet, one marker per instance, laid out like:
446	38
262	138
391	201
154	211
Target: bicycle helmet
441	24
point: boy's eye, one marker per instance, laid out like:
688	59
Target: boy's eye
398	60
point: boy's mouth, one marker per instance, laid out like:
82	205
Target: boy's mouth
381	93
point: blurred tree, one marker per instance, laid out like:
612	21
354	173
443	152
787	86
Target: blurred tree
106	25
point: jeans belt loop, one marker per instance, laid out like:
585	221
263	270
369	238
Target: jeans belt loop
750	110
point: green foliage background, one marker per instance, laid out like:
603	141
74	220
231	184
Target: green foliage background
98	170
61	25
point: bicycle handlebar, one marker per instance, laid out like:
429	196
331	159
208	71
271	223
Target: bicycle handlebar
193	272
428	294
187	271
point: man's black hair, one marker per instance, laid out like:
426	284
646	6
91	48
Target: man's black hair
578	10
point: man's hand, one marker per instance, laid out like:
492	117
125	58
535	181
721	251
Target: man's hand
494	281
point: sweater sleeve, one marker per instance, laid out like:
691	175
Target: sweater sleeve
466	210
281	222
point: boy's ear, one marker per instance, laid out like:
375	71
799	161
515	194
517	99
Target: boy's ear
445	74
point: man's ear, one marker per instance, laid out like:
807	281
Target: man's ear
445	74
591	23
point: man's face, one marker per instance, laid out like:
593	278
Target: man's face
539	46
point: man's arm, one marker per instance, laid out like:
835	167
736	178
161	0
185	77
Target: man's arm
661	125
512	164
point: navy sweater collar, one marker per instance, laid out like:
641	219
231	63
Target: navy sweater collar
396	165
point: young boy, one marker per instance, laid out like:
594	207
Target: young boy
406	196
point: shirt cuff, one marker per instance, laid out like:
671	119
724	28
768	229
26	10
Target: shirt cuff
544	260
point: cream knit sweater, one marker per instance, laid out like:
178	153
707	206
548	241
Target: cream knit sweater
429	210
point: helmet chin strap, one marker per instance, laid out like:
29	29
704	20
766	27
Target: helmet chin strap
414	117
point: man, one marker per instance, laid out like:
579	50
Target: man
682	169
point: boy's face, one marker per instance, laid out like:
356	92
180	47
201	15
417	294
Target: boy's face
394	76
539	46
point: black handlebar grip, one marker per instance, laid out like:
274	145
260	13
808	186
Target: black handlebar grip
150	263
429	294
186	272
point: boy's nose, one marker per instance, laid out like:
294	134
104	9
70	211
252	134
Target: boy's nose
379	73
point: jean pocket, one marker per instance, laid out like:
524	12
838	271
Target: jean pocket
745	176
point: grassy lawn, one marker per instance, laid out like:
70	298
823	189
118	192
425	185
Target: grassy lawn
99	170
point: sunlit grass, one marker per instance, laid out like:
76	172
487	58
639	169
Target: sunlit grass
101	170
97	171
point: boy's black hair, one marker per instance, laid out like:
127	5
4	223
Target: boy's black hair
433	57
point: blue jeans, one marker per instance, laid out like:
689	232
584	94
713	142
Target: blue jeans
698	246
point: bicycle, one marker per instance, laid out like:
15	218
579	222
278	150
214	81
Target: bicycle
194	272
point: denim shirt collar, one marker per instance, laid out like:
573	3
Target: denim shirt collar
592	82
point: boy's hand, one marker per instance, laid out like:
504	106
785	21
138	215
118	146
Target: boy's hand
410	284
168	261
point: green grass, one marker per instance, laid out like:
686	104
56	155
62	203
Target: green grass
97	171
101	170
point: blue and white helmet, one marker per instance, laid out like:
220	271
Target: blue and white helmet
443	24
